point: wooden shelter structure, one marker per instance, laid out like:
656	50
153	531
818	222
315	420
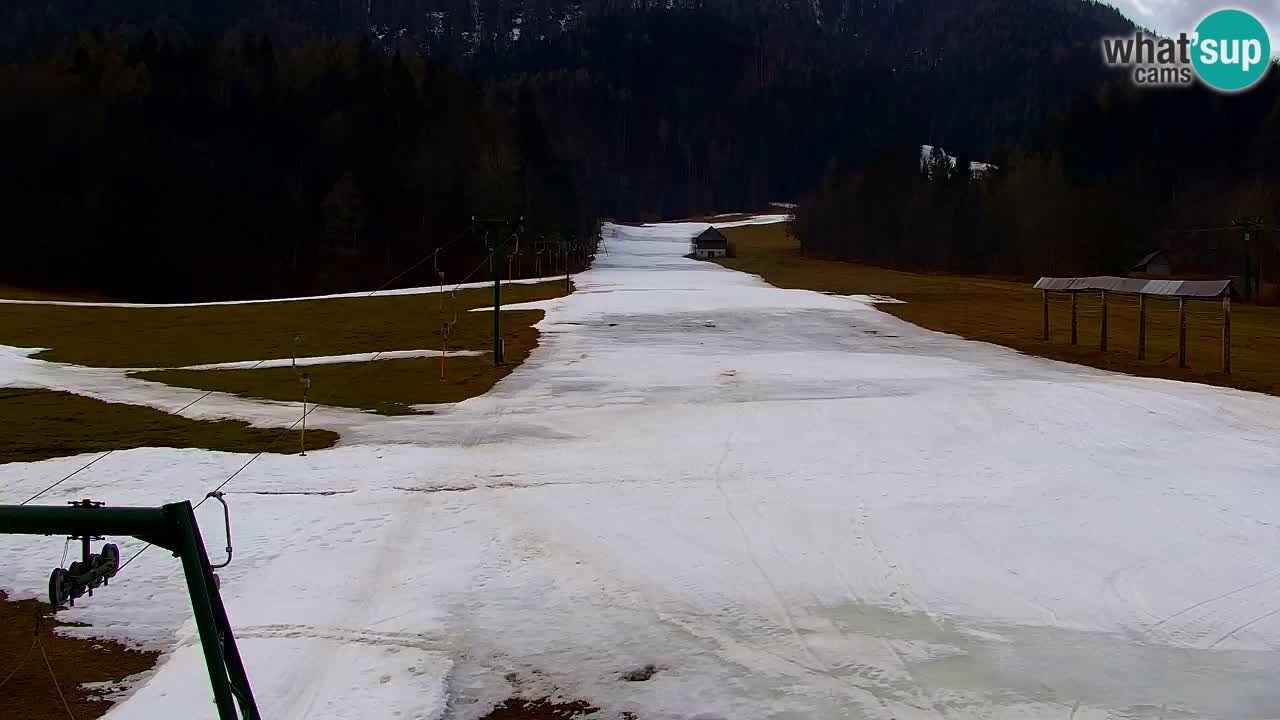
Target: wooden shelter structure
1181	290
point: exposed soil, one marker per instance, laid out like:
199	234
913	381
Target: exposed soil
539	710
27	688
43	424
640	674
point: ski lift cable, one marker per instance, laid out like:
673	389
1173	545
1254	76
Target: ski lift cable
257	455
309	410
473	271
431	255
87	465
52	675
205	395
366	367
23	661
229	478
67	477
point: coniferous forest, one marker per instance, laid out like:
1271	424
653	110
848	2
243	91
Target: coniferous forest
1119	173
162	150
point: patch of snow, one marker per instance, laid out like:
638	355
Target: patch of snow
875	299
331	359
426	290
18	369
530	305
976	169
793	503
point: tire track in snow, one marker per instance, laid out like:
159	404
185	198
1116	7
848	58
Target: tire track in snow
1243	626
859	603
746	539
1195	629
910	596
340	634
822	668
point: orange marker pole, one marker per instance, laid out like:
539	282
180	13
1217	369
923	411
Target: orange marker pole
444	348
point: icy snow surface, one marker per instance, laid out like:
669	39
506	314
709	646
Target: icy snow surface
331	359
790	503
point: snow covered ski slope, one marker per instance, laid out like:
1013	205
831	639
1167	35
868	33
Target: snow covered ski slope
792	504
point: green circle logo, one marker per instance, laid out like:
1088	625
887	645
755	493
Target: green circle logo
1232	51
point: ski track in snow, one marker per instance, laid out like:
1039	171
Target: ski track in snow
790	503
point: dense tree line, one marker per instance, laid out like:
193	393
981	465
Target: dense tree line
253	147
1122	172
167	167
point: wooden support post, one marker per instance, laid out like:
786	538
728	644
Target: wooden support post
1142	327
1044	312
1182	332
1074	325
1226	335
496	261
1102	345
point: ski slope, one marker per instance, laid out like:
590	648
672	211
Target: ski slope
790	503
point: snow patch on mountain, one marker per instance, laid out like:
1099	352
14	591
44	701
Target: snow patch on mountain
976	169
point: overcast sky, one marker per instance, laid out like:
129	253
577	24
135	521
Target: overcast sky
1169	17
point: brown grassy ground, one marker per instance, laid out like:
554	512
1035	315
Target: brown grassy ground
388	387
30	693
11	292
42	424
174	337
1009	314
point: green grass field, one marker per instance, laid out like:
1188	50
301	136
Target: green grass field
1009	314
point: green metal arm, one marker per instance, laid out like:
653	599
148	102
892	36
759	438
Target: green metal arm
151	525
172	527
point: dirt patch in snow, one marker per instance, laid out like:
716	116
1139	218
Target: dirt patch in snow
544	709
26	682
640	674
43	424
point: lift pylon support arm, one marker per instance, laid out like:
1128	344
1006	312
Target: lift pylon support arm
172	527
